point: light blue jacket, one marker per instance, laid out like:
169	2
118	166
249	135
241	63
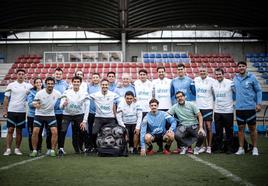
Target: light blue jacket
61	86
184	84
155	124
121	91
92	89
248	92
112	87
30	98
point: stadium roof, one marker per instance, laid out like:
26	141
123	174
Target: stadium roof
133	17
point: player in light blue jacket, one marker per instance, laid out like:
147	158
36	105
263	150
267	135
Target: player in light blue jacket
248	102
153	129
182	83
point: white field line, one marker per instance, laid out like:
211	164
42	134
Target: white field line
20	163
222	171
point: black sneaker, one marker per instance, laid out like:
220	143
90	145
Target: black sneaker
135	151
60	152
160	149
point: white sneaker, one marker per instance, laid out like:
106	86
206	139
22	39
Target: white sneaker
208	150
255	151
131	150
48	152
183	150
196	150
201	150
7	152
65	152
240	151
17	151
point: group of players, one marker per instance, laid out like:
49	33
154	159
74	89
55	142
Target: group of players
162	110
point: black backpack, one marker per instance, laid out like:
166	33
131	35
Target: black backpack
111	141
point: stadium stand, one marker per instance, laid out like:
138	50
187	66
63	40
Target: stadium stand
33	66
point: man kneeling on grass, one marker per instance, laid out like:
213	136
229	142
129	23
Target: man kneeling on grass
153	129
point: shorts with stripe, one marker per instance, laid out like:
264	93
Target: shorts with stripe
16	120
47	121
244	117
207	114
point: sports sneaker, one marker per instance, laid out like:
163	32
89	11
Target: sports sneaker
208	151
33	154
201	150
135	151
190	150
166	152
17	152
48	152
184	150
196	150
52	153
255	151
176	151
150	152
60	152
240	151
7	152
131	150
160	149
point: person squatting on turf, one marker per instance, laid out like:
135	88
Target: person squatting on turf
190	129
44	103
129	115
15	110
75	105
248	101
153	129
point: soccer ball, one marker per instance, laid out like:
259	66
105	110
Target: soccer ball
119	142
109	141
106	131
118	132
100	142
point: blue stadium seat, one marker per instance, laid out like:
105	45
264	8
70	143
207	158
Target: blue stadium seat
185	60
257	65
151	60
152	56
184	56
170	55
177	55
261	129
262	55
158	60
146	60
145	55
158	56
165	56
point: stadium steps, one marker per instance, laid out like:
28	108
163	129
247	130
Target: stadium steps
4	68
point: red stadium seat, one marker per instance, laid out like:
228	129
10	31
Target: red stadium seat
87	65
60	65
73	65
66	65
54	65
